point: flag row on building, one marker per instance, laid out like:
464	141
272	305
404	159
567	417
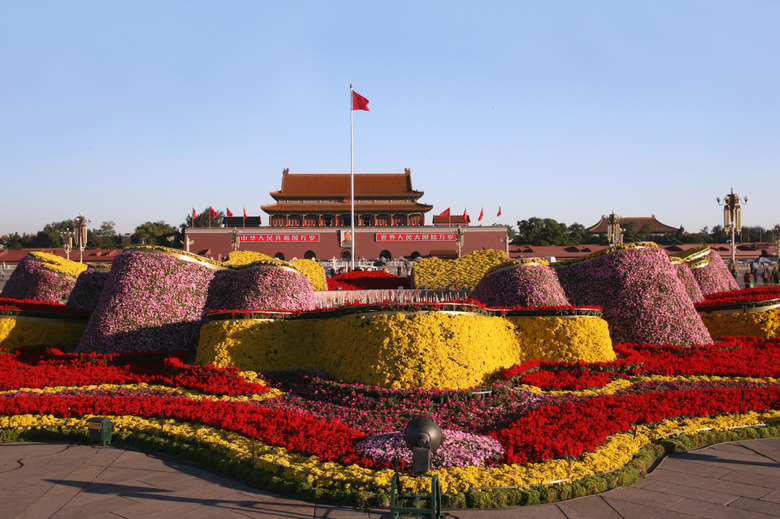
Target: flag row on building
214	214
447	212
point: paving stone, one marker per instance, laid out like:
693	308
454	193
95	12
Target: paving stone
628	510
685	491
694	464
769	478
713	511
757	505
587	508
716	485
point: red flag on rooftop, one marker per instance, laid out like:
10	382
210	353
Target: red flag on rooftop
228	212
194	214
212	213
244	213
446	212
499	211
465	213
359	102
481	214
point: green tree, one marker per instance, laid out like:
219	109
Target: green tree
105	237
50	236
541	231
577	234
155	233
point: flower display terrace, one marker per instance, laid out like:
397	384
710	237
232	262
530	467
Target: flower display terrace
553	381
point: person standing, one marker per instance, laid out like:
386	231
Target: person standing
748	280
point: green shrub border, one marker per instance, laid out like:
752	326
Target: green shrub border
648	457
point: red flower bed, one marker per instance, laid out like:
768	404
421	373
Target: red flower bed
739	297
367	280
29	307
44	367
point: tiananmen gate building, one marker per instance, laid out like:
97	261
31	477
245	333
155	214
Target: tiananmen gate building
310	218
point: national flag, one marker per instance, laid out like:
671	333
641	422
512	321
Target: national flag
228	212
481	214
194	214
499	211
212	213
446	212
465	213
244	213
359	102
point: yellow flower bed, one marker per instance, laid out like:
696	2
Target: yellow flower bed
313	271
460	274
245	257
557	339
18	331
618	450
59	265
403	350
753	323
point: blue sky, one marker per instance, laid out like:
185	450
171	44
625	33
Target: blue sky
139	111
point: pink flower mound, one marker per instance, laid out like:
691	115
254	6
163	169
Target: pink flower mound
521	285
30	280
261	288
150	302
641	296
86	294
690	284
715	277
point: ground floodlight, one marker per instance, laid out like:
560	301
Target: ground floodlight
423	436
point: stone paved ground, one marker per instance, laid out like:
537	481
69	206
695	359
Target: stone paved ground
63	481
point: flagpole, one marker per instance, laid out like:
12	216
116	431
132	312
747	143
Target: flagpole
352	173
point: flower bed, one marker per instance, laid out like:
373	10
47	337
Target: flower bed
520	283
685	275
583	437
460	274
640	292
748	312
89	285
43	277
709	270
367	280
425	345
150	302
35	323
260	287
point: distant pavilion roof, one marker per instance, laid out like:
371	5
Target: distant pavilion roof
639	222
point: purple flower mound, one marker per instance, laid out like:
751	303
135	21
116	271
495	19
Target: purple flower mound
642	298
715	276
530	284
690	284
150	302
86	294
261	287
31	280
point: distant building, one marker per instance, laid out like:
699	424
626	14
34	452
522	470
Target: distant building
636	222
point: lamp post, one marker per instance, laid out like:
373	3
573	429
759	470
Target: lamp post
777	239
459	234
614	232
732	219
67	242
234	239
80	225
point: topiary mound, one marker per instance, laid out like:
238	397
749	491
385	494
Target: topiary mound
89	285
520	283
641	295
261	286
43	277
460	274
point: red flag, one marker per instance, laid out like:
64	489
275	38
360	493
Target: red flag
212	213
446	212
194	214
465	213
499	211
244	213
228	212
481	214
359	102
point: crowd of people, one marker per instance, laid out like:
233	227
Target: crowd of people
761	274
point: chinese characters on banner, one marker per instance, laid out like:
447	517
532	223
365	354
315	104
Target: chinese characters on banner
416	236
264	238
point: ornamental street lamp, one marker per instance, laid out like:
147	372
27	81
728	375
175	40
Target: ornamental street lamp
459	234
67	242
732	219
234	239
614	232
80	224
777	239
